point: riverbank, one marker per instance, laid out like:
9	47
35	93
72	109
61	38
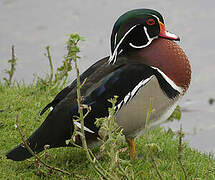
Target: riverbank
165	157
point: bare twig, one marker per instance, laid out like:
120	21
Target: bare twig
149	112
90	155
50	62
156	168
12	62
208	169
34	154
180	149
72	56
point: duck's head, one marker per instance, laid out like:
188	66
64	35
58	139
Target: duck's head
136	29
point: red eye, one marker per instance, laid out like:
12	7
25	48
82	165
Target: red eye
150	22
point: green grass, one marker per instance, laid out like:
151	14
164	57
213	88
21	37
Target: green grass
28	100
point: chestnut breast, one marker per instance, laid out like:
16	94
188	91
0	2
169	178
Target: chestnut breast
169	58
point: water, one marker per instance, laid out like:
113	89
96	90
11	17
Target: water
32	25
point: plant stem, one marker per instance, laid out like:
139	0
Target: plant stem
72	55
149	112
180	153
50	63
90	156
13	63
80	110
32	152
156	168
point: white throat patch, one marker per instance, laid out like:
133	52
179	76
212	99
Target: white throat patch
148	37
112	58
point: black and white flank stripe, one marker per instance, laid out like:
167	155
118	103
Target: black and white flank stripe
166	84
131	94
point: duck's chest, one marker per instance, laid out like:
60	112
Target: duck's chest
132	115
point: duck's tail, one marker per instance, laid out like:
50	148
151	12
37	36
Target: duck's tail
54	131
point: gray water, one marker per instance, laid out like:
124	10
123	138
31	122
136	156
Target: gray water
32	25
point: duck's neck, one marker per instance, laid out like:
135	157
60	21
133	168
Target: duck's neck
168	57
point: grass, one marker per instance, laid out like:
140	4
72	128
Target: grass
162	154
28	100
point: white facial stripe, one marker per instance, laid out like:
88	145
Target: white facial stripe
155	17
131	94
113	57
148	37
51	108
115	40
85	128
170	82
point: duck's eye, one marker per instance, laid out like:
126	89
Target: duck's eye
150	22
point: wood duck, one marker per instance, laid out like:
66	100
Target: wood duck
144	64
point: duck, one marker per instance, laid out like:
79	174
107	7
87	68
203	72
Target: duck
145	65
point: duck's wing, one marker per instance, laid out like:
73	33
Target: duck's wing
124	82
102	84
58	125
63	93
